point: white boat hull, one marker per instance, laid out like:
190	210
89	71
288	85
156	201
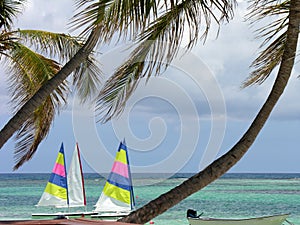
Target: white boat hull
112	216
265	220
63	214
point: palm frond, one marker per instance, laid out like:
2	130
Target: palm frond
87	79
33	131
274	31
57	45
64	47
123	16
117	90
7	42
28	72
159	44
8	11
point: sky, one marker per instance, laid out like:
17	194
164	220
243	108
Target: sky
179	121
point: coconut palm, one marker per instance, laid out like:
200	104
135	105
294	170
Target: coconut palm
151	23
102	20
283	34
29	69
166	25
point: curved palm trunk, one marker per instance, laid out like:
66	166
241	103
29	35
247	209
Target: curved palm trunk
225	162
39	97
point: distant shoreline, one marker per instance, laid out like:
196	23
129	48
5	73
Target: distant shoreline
177	175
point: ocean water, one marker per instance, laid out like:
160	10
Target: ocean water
233	195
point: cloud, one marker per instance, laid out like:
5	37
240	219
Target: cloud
229	57
51	15
4	98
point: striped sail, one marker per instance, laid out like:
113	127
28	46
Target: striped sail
117	194
76	189
56	191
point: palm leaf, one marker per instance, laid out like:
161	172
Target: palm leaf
274	34
57	45
7	40
33	131
159	44
123	16
64	47
87	79
28	72
8	11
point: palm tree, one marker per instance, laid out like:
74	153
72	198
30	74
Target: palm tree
281	52
102	20
157	25
29	70
156	28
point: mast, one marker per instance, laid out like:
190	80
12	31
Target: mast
81	173
130	176
66	175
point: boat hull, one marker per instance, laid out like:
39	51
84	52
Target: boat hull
60	215
111	216
266	220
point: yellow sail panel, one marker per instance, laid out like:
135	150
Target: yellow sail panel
121	156
117	193
56	190
60	159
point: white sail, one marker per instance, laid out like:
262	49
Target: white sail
76	191
53	201
108	204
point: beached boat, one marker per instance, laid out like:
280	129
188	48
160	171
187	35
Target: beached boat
65	190
117	198
264	220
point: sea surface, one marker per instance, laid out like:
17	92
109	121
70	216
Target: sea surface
233	195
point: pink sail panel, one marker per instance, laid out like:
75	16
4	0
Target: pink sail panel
120	168
59	170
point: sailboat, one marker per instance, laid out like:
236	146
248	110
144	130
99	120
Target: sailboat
117	198
65	191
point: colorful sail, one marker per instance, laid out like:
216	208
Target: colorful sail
117	194
76	189
56	191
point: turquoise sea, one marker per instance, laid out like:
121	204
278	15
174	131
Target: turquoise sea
233	195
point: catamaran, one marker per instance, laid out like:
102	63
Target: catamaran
117	197
65	191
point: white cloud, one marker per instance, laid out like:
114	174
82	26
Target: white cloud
4	98
51	15
229	57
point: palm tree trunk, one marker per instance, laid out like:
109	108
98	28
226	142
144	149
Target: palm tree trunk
225	162
39	97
